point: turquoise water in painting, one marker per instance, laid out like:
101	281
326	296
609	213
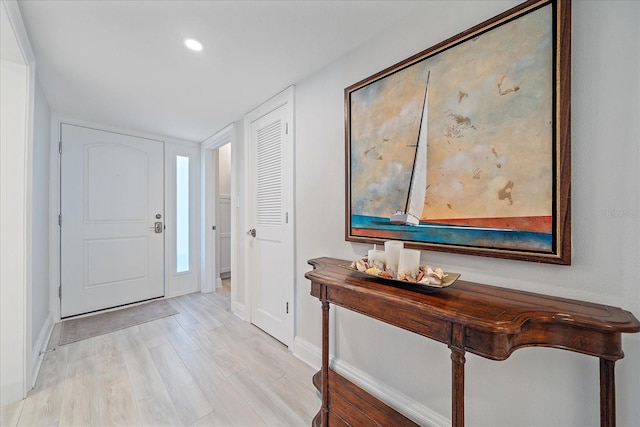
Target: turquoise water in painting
431	232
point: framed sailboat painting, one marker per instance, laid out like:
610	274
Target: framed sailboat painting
465	147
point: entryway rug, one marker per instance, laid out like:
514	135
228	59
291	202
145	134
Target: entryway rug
87	327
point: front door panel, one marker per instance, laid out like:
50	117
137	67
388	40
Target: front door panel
111	192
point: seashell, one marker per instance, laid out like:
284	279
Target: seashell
407	277
361	265
434	279
386	274
373	270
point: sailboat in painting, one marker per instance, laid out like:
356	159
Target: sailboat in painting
418	182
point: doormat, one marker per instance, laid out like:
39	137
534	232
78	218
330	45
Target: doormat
88	327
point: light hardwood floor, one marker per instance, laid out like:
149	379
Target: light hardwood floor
201	367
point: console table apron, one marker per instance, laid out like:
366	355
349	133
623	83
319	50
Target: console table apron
489	321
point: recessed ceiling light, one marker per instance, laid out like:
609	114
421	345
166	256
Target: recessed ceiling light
193	44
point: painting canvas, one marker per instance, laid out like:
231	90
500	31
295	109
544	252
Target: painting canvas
459	148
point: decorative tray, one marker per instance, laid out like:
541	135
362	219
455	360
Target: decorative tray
446	278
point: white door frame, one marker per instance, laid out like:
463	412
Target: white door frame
16	368
210	245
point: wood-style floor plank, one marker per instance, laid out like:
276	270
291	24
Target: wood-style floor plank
229	407
273	410
80	398
10	414
302	400
44	402
177	335
248	357
183	317
152	398
117	403
201	367
151	334
188	399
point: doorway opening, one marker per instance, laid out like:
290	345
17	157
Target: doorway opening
223	211
220	219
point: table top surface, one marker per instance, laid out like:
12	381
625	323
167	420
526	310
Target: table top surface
494	308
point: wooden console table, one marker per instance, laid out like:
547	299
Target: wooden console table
489	321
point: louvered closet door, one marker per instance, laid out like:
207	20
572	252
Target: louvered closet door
271	271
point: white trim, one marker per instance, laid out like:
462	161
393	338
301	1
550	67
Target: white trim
15	17
40	347
239	309
402	403
54	210
208	154
416	411
307	352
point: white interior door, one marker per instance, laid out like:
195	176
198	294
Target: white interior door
111	234
271	267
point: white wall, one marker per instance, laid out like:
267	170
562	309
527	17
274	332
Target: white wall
224	169
40	312
40	219
606	230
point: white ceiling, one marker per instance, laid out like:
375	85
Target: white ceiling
122	63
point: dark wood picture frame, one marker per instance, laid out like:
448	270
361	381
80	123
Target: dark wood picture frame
477	129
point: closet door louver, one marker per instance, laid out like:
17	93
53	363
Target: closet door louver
269	173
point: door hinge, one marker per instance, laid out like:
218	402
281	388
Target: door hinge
60	147
59	220
286	218
59	292
287	307
286	128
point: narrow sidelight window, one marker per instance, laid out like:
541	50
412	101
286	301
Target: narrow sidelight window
182	214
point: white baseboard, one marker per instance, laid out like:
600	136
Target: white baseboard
239	310
307	352
178	294
416	411
218	283
206	288
39	347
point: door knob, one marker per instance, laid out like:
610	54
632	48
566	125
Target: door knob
158	227
252	232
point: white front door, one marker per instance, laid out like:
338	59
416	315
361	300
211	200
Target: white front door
271	264
112	218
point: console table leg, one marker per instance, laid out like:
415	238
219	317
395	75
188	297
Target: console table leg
325	364
457	388
607	393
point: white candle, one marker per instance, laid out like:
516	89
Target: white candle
409	263
377	258
392	252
